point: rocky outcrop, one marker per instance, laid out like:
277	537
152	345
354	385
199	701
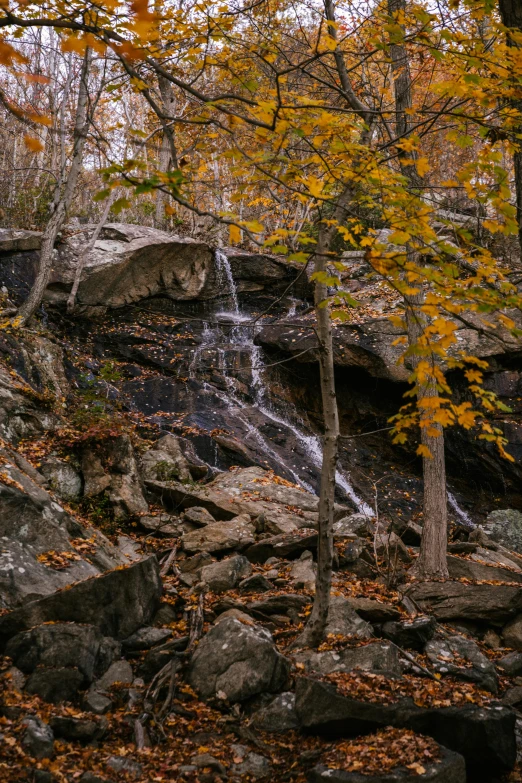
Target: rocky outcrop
129	263
111	468
372	345
117	603
43	547
485	737
455	600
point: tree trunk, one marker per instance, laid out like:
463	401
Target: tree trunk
432	560
313	634
59	216
511	15
71	300
168	154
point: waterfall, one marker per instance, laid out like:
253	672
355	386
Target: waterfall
225	278
462	515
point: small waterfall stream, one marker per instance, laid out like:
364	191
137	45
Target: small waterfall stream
236	329
228	345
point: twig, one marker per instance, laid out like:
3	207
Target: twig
170	559
412	660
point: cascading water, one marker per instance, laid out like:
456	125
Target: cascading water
239	338
464	518
226	278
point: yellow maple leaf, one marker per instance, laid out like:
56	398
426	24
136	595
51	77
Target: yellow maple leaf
234	234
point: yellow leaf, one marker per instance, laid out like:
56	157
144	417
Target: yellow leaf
235	235
33	144
422	166
423	451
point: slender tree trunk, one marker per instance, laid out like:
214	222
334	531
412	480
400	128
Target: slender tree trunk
315	629
432	560
71	301
168	154
59	216
511	15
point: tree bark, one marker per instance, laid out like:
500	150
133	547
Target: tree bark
511	15
315	628
168	154
71	300
59	216
432	560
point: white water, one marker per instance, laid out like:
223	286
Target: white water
463	515
226	278
242	336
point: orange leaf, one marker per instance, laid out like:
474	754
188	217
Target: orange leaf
33	144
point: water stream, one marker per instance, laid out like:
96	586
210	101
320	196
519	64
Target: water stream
236	330
228	343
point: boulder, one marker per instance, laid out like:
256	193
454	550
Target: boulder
484	736
97	702
257	583
63	645
462	658
238	533
198	516
62	477
145	638
289	545
226	574
38	738
165	461
235	661
129	263
112	468
353	525
344	621
374	611
455	600
468	569
78	729
512	633
16	240
118	672
117	603
287	604
411	634
302	572
505	527
450	768
511	664
278	715
56	685
252	764
390	548
162	525
376	657
33	524
252	491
